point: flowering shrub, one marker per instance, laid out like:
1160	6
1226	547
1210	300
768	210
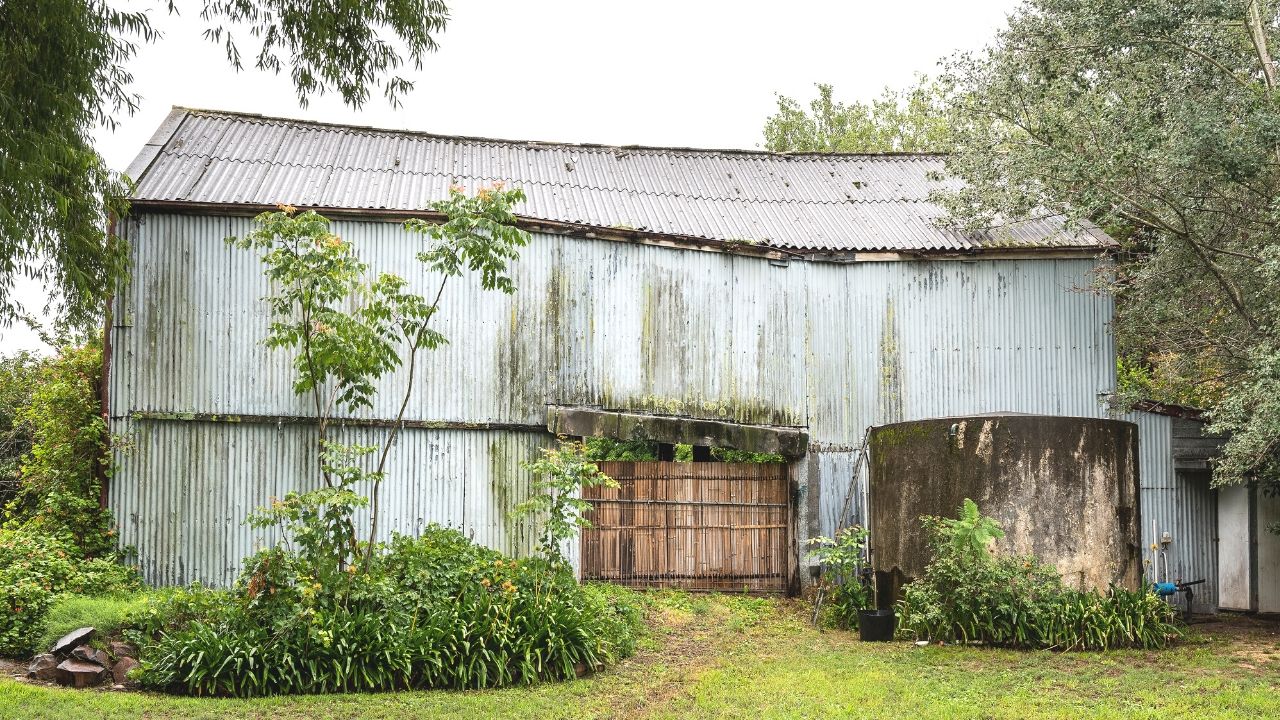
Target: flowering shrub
436	611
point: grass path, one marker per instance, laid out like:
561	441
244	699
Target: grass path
740	658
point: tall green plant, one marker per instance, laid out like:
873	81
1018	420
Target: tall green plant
61	475
971	533
561	473
842	589
346	332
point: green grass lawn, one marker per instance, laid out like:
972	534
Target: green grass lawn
737	657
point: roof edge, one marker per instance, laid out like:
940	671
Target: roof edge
1171	410
541	143
151	150
649	237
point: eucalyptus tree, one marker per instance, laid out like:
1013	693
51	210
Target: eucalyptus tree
1156	119
63	71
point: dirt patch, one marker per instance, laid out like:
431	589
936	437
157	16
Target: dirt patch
14	669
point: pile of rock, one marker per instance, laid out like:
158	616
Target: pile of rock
73	661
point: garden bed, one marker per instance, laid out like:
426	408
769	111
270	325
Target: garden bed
728	656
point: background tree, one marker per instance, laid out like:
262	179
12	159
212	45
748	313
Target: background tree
18	375
912	120
61	471
62	71
1158	121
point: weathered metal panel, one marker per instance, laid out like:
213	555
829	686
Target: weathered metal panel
183	489
1268	568
1235	584
834	348
1182	504
806	202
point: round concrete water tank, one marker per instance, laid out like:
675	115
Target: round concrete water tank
1065	489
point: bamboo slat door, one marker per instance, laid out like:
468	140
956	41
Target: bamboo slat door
697	526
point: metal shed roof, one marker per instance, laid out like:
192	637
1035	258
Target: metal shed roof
801	202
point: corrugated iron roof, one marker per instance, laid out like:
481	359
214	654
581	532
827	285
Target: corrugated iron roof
805	202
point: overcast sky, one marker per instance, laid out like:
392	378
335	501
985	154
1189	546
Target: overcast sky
694	73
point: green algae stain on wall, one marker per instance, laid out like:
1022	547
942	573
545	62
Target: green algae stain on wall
508	487
889	390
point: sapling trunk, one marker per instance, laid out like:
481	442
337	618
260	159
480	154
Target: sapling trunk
414	346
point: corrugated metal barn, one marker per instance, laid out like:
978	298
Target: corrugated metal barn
791	296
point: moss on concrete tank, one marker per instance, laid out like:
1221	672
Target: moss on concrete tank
1064	488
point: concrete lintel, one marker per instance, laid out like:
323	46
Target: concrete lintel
590	422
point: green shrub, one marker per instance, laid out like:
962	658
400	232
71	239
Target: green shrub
61	474
602	449
173	609
967	595
106	613
24	605
436	611
34	570
732	455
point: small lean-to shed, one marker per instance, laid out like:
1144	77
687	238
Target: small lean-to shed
1219	535
775	302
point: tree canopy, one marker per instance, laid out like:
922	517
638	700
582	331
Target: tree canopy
912	120
63	70
1157	120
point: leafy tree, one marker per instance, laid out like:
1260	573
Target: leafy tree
61	474
1158	121
346	332
913	120
62	71
18	374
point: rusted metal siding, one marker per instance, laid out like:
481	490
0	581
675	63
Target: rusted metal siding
832	347
817	202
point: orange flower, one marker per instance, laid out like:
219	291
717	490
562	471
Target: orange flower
485	582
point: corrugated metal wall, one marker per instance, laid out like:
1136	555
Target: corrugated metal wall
1180	503
183	489
832	347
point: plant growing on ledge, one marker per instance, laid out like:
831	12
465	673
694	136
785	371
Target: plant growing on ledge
561	473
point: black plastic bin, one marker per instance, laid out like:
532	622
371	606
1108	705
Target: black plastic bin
876	625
